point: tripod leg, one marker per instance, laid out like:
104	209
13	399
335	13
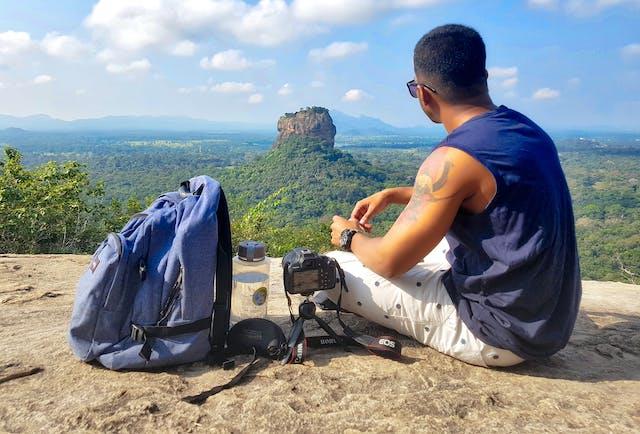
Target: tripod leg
297	333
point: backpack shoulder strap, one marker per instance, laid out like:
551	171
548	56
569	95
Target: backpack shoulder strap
222	304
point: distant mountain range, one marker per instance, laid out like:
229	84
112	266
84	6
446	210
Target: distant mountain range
124	123
345	125
348	125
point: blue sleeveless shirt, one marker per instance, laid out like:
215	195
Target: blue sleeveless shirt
515	274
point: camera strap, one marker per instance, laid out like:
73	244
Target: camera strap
383	346
200	398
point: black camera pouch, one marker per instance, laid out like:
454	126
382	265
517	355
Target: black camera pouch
265	336
256	336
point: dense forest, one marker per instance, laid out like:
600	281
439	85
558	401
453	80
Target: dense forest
63	192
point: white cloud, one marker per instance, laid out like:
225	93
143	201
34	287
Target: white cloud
233	87
337	11
131	26
506	76
106	55
13	44
355	95
184	48
285	90
402	20
136	66
510	83
631	51
337	50
316	84
81	92
189	90
502	72
582	8
543	4
232	60
574	82
268	23
64	46
42	79
229	60
264	63
255	98
351	11
412	3
2	85
594	7
545	93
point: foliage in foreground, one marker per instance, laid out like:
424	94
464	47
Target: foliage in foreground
320	182
53	208
258	223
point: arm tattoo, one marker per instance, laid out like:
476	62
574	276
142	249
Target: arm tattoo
432	177
443	178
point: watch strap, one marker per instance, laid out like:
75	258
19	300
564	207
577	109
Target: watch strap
345	239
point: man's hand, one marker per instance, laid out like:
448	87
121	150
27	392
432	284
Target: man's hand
445	180
369	207
340	224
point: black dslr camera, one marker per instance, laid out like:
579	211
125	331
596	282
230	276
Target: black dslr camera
305	271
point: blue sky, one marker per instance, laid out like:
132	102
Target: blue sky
565	63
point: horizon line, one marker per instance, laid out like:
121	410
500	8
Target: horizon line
268	125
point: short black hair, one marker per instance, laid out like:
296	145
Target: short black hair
454	58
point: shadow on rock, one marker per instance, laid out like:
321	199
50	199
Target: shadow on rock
605	346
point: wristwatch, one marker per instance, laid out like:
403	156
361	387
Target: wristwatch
345	239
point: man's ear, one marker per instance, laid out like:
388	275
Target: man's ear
429	104
424	96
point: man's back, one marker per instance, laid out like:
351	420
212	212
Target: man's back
515	272
494	187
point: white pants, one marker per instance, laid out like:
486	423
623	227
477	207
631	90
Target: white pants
416	304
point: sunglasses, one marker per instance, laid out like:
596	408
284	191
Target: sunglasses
413	88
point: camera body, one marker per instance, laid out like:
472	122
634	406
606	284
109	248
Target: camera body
305	271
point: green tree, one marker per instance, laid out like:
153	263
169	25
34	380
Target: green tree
51	208
259	223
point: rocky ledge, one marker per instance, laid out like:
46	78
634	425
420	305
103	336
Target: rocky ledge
593	385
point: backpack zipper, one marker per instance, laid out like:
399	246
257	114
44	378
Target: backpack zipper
173	296
119	274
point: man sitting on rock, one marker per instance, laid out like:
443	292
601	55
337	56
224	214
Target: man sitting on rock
505	285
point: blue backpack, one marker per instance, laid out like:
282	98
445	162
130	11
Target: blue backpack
158	293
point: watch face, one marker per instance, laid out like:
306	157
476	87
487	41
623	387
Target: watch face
344	239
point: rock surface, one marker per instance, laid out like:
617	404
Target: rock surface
313	123
593	385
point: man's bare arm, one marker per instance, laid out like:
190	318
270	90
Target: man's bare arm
430	182
366	209
400	195
444	181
